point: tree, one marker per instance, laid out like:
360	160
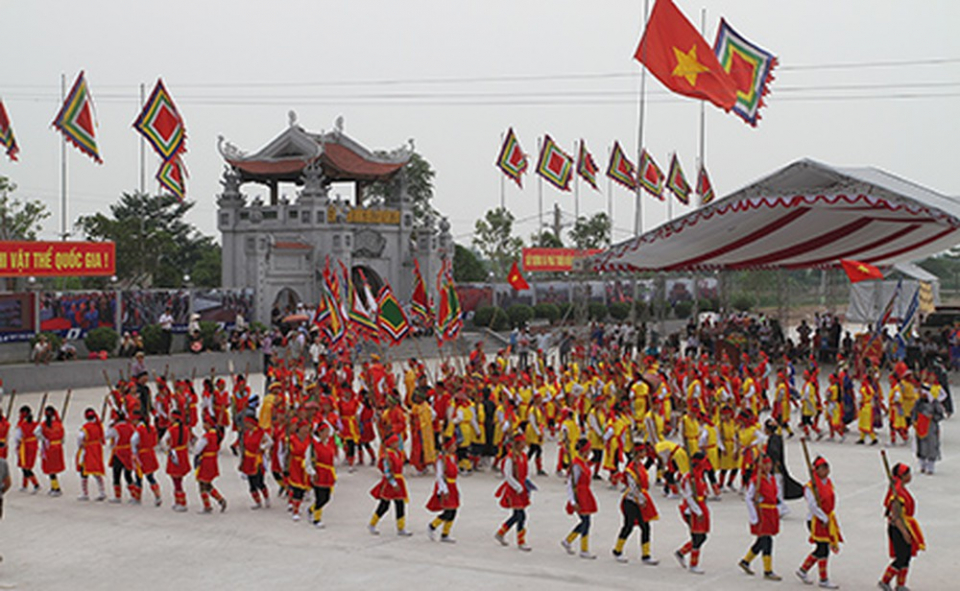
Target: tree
419	178
493	237
546	239
467	268
592	232
155	246
19	220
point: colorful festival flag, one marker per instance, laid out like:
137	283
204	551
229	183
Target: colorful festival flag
586	167
161	124
555	165
448	317
621	169
419	301
857	271
76	121
515	278
680	58
336	326
677	183
704	186
7	138
651	177
392	319
512	161
173	176
750	69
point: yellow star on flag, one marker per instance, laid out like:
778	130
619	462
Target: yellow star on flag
688	66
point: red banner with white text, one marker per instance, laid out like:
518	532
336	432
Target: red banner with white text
57	259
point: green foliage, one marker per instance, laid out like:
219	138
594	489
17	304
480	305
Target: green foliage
209	333
207	270
683	309
596	311
593	232
546	311
546	239
709	305
19	220
102	338
467	268
419	182
619	310
152	339
258	327
52	338
155	246
491	317
743	302
493	237
566	311
519	314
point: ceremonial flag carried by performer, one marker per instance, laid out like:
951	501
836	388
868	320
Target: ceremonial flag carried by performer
448	318
512	161
173	177
7	138
76	121
360	318
586	167
651	177
857	271
909	318
419	301
704	186
161	124
515	278
750	69
555	165
392	320
621	169
681	59
677	183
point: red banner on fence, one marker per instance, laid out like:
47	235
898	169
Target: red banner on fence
57	259
553	259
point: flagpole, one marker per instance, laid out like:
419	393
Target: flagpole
503	198
610	198
576	187
702	163
540	200
638	207
143	163
669	199
63	166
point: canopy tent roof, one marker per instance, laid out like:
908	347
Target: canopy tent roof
805	215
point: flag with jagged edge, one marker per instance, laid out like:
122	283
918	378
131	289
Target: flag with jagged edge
620	169
392	319
704	186
173	177
651	176
336	326
362	317
586	167
677	183
750	68
7	138
76	120
161	124
512	161
555	165
419	301
448	318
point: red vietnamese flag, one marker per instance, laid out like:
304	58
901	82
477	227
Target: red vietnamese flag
858	271
680	58
515	279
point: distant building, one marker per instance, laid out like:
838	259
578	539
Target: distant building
280	248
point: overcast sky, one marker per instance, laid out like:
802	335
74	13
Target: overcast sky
860	83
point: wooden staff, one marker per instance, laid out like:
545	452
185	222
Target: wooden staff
13	396
103	407
806	457
886	466
106	379
43	403
66	405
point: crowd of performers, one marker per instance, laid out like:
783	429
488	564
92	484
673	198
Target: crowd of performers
696	428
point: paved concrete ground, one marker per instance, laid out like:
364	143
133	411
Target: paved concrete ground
62	543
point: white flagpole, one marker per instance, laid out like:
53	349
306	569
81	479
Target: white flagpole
63	165
576	185
703	125
539	196
638	214
143	162
503	198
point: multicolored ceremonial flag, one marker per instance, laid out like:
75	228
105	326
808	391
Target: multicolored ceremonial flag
448	317
677	183
336	325
749	67
392	319
161	124
173	176
681	59
7	138
704	186
76	121
512	161
586	167
555	165
361	320
419	301
651	177
621	169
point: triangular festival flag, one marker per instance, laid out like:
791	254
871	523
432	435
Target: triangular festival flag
750	69
7	138
651	177
419	301
586	167
680	58
858	271
555	165
704	186
392	320
161	124
512	161
515	278
677	183
76	121
620	168
173	176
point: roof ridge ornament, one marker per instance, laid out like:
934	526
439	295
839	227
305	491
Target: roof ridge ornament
228	150
292	118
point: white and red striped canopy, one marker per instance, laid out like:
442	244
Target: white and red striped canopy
806	215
